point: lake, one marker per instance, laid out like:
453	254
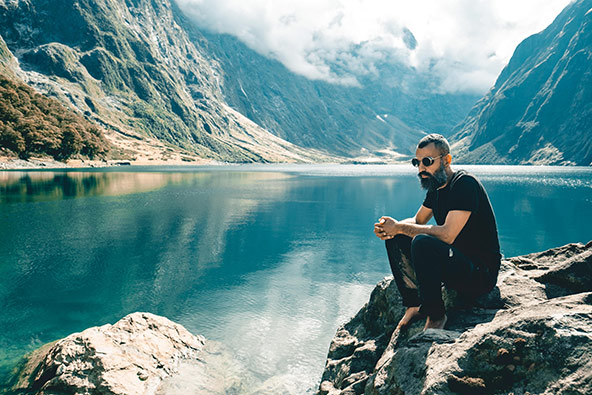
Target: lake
268	260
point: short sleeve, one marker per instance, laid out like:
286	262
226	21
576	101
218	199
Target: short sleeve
464	194
430	200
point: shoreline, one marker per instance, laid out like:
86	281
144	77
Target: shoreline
12	163
8	163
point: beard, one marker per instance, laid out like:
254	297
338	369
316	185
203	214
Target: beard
435	181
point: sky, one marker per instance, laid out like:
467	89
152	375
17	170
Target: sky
462	44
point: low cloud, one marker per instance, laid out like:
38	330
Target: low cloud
462	44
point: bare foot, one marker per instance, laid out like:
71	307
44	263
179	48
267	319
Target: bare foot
435	324
411	314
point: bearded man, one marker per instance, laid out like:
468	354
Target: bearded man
461	251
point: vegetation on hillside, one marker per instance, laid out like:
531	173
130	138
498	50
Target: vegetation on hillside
31	123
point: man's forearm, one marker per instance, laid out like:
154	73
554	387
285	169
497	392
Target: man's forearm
413	229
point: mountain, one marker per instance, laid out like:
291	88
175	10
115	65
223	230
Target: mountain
7	61
384	116
148	76
540	109
131	67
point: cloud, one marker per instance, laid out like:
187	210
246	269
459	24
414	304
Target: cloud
462	44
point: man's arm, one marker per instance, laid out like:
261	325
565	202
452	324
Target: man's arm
423	215
387	227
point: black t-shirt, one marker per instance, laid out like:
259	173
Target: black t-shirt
478	238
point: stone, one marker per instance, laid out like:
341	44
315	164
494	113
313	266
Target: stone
132	356
531	334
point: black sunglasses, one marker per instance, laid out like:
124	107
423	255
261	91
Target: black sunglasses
427	161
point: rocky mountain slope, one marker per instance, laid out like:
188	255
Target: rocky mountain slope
540	109
384	116
531	334
131	67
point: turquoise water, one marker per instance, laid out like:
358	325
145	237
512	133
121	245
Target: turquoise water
267	260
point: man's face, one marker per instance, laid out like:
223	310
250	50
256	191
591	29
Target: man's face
434	176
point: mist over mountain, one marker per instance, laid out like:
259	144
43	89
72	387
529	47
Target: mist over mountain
540	109
385	115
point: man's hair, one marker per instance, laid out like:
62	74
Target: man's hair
439	141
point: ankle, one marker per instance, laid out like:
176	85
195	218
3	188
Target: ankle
436	323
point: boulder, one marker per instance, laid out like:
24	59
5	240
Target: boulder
132	356
531	334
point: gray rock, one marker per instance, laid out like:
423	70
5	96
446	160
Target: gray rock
571	275
531	334
133	356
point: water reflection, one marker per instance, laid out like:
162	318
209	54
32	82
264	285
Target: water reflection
46	186
66	264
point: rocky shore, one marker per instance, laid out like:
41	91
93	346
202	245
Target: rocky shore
531	335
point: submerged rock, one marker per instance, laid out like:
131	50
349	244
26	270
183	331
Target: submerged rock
132	356
531	334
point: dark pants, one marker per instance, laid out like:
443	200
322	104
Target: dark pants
422	264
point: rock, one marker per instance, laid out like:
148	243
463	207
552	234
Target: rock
531	334
571	275
132	356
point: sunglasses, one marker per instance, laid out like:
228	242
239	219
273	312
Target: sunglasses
427	161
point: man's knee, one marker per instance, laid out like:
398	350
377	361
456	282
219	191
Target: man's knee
423	241
398	241
425	248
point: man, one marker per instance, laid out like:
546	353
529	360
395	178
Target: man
461	251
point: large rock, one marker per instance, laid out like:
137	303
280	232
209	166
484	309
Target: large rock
133	356
531	334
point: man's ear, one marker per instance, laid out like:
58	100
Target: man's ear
448	159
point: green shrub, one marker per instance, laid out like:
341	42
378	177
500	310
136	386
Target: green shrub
31	123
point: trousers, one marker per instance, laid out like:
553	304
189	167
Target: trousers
421	265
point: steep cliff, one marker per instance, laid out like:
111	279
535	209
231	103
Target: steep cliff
7	61
131	67
540	109
531	334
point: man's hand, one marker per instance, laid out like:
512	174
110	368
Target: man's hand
386	228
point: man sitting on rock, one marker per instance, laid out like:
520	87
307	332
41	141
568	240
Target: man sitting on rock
462	251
